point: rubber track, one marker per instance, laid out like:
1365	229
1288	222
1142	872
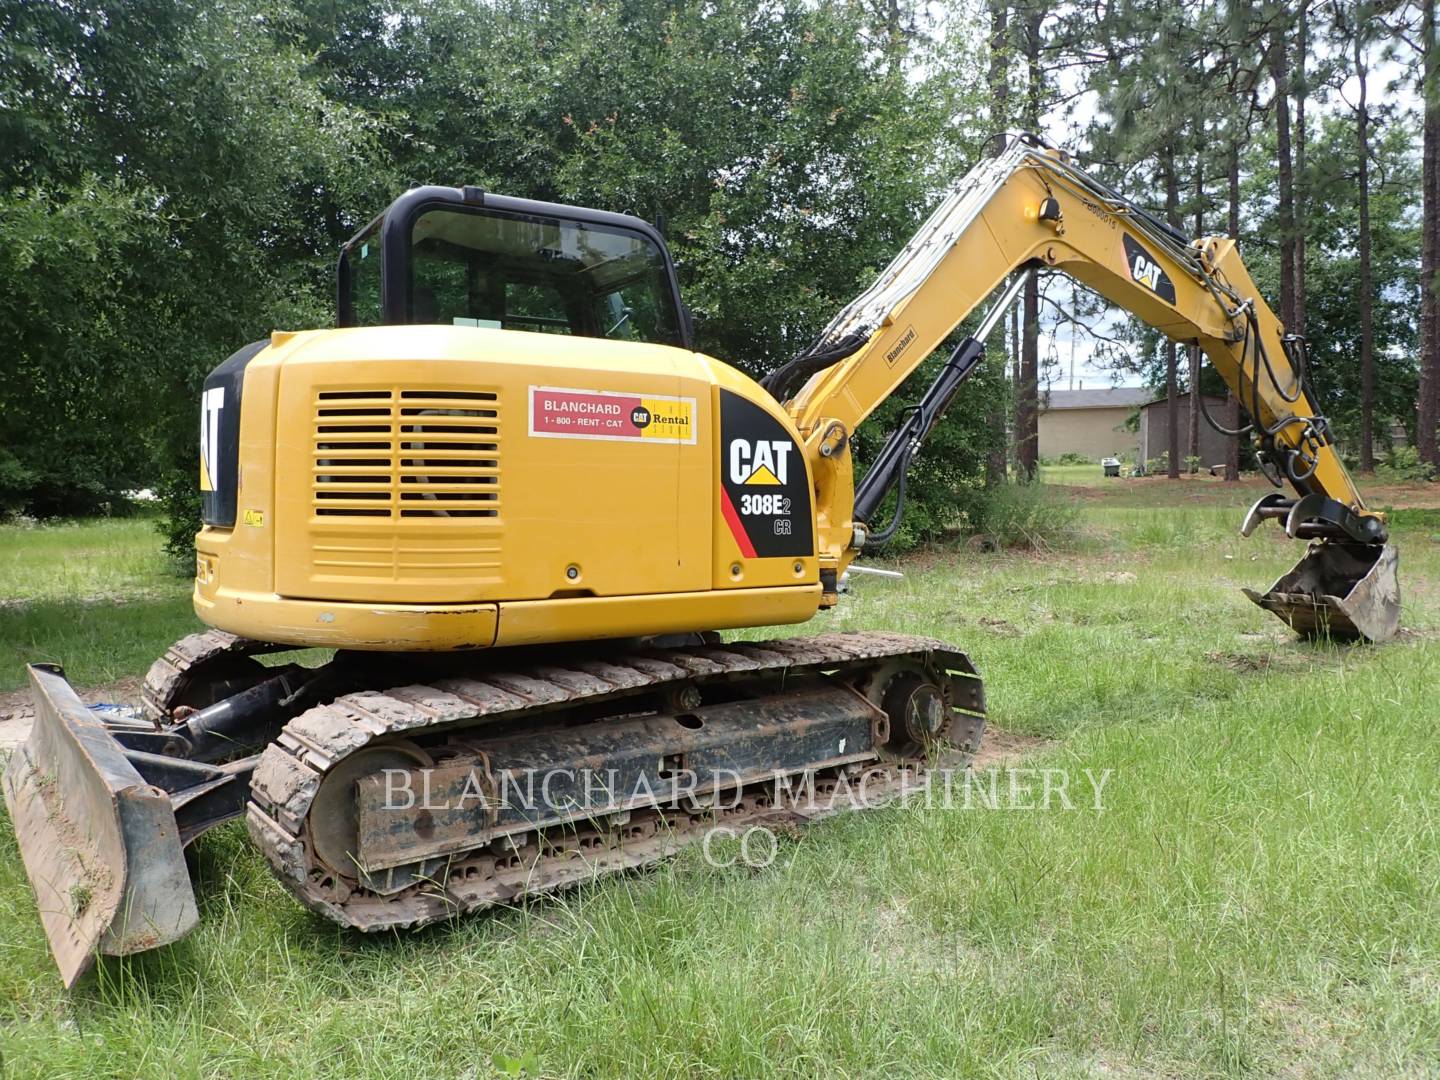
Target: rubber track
288	775
167	675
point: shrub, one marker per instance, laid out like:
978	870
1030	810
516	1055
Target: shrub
179	498
1403	465
1024	516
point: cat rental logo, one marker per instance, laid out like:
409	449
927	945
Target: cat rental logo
760	462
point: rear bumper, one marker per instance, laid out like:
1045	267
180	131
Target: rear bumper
444	627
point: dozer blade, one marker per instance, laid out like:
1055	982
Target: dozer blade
100	845
1350	592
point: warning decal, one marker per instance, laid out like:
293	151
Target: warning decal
560	413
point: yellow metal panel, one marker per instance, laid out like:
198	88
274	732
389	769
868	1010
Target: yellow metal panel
378	513
416	488
322	623
537	622
432	627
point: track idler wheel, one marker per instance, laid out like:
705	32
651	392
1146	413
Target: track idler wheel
919	715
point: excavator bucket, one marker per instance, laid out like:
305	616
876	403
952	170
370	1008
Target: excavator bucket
100	845
1349	592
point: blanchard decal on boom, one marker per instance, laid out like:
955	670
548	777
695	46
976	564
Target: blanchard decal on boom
558	412
906	339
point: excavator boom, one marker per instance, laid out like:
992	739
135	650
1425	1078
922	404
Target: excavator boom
1029	208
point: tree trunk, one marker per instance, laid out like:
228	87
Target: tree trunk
1367	285
1232	402
1192	441
1280	75
1172	390
1301	89
1429	405
997	461
1015	380
1027	410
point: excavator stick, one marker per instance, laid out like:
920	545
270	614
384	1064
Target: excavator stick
100	844
1348	592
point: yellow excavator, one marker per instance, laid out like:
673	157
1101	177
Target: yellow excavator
518	506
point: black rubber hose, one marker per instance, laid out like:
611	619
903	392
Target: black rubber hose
788	377
888	533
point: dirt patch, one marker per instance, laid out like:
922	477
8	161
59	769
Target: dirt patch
17	712
1243	662
1000	626
1257	663
1000	748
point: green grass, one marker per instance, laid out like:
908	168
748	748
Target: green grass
1072	474
98	597
1259	895
102	559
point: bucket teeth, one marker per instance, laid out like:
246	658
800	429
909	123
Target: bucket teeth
1345	591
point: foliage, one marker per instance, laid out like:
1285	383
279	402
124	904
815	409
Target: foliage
1403	465
75	436
189	196
1332	270
179	498
147	228
174	180
1025	516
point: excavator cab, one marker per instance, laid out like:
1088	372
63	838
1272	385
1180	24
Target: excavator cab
464	257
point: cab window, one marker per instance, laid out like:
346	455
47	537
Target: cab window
472	266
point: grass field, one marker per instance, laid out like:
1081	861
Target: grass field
99	597
1260	893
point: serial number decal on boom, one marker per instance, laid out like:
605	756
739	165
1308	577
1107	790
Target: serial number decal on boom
558	412
764	488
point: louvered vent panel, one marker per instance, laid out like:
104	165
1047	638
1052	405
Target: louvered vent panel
396	453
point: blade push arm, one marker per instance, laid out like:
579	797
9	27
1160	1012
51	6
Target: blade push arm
1030	207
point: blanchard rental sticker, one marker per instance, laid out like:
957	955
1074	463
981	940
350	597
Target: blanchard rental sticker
557	412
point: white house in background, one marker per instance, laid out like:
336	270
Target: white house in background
1091	423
